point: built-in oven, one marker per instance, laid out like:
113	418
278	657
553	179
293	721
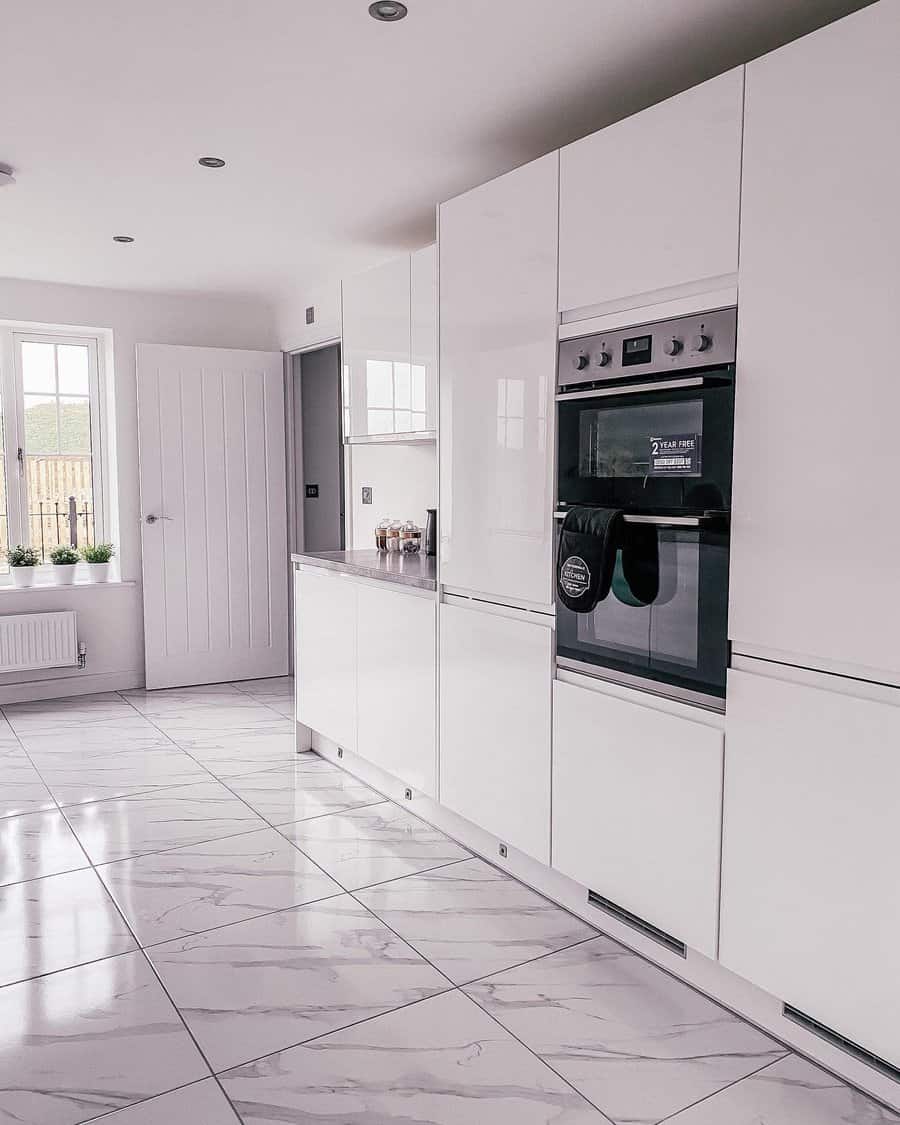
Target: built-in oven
646	427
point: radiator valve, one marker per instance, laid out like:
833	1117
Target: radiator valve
82	654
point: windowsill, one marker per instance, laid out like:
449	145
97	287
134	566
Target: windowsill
9	588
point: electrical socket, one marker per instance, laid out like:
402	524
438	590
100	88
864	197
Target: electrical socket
366	494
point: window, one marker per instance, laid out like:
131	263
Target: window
50	481
395	397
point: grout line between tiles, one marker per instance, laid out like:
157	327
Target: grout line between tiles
684	1109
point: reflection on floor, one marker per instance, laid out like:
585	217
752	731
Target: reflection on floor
198	925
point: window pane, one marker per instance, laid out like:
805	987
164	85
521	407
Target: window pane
53	483
74	425
38	375
381	421
41	435
402	386
379	385
402	421
4	517
72	361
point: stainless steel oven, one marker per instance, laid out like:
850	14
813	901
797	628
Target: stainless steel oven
646	426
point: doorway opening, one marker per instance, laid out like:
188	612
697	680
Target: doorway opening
318	452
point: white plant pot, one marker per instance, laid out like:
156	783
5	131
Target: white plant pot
99	572
64	573
23	575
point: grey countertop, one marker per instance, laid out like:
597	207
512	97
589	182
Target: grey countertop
406	570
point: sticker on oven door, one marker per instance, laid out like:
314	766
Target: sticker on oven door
675	455
575	576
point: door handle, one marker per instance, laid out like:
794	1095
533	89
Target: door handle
153	519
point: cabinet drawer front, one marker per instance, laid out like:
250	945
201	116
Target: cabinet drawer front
810	893
637	807
325	665
495	677
397	704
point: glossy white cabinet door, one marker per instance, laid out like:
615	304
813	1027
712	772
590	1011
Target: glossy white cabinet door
498	340
495	679
396	700
652	202
816	541
423	333
637	809
376	338
810	902
325	667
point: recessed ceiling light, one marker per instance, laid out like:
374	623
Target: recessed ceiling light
122	238
388	11
211	161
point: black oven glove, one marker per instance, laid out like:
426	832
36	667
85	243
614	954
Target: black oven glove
587	556
636	576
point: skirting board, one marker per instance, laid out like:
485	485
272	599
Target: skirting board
78	683
707	976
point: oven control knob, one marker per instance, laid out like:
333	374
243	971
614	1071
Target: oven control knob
673	346
701	342
581	361
602	359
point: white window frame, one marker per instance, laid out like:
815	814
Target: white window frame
12	405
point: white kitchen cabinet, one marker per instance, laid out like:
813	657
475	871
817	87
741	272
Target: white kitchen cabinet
325	654
390	376
652	202
498	339
423	333
396	683
495	680
810	901
637	809
815	541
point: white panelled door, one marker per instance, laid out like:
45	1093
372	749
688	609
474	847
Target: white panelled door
215	563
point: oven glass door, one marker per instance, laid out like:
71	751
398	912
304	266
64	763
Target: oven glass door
658	450
680	638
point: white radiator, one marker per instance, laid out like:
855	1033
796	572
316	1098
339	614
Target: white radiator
38	640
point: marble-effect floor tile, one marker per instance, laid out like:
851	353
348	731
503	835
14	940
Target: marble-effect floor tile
637	1043
201	1103
159	820
790	1092
21	787
85	1041
230	753
373	844
442	1062
302	790
37	844
75	778
188	890
56	923
470	920
258	986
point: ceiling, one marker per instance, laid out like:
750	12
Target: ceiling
340	133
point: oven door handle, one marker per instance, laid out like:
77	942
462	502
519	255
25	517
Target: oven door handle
659	521
634	388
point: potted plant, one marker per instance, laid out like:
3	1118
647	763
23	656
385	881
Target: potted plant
22	562
64	560
97	557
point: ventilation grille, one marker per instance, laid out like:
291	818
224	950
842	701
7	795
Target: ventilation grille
30	641
636	923
838	1040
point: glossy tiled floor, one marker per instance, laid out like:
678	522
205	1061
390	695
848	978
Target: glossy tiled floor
199	926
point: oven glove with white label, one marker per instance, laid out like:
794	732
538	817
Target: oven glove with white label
587	556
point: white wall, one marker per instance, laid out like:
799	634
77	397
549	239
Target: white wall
111	620
293	331
404	480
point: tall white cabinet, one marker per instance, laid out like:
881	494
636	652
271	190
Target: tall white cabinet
816	541
498	338
652	202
